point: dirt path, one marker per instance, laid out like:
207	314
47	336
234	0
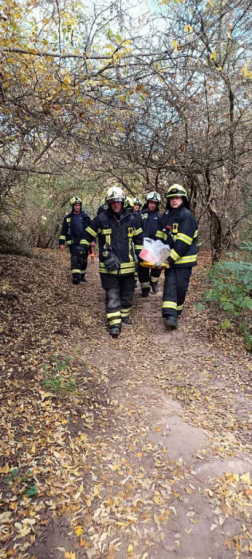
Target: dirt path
137	447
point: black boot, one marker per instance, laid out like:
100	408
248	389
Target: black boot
171	322
126	320
145	292
83	278
76	281
155	287
114	331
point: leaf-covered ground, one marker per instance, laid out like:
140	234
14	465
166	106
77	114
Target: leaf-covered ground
138	447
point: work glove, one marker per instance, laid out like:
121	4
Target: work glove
110	260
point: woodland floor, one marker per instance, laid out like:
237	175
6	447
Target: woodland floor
138	447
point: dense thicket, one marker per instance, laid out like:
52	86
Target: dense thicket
140	96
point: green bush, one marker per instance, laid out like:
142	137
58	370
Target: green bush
231	289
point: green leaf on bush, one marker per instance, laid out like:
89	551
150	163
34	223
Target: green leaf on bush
199	306
247	303
225	324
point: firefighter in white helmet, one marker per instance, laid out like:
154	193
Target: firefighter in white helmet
118	239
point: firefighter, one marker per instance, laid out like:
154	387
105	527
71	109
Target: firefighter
137	204
129	205
150	224
118	238
73	227
178	228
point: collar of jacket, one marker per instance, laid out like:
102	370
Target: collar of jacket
124	213
176	211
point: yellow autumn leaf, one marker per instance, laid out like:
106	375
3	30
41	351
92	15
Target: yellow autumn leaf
246	478
69	555
130	550
213	55
115	467
188	28
175	45
78	530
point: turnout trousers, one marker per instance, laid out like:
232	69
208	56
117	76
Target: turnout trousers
78	263
175	288
119	296
148	277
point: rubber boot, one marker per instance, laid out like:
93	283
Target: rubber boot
76	281
145	292
114	331
171	322
126	320
155	287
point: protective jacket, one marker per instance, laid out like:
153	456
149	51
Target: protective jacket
150	223
120	233
178	228
67	233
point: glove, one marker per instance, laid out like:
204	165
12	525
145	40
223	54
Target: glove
110	260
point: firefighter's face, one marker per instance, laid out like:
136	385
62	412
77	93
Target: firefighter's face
152	205
76	208
176	201
136	207
116	207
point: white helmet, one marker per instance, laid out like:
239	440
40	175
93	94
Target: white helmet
153	196
115	194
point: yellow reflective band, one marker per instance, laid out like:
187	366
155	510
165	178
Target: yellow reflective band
106	231
161	235
185	238
138	231
116	321
180	307
169	305
131	259
105	271
138	247
125	310
144	216
127	264
154	280
174	255
187	259
83	271
196	234
68	219
127	271
91	231
113	314
62	237
69	242
124	313
84	242
145	284
75	271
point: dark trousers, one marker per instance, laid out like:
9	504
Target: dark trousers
148	276
175	288
78	263
119	296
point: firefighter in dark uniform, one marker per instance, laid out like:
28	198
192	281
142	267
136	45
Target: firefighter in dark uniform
137	204
150	224
73	227
118	238
178	228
